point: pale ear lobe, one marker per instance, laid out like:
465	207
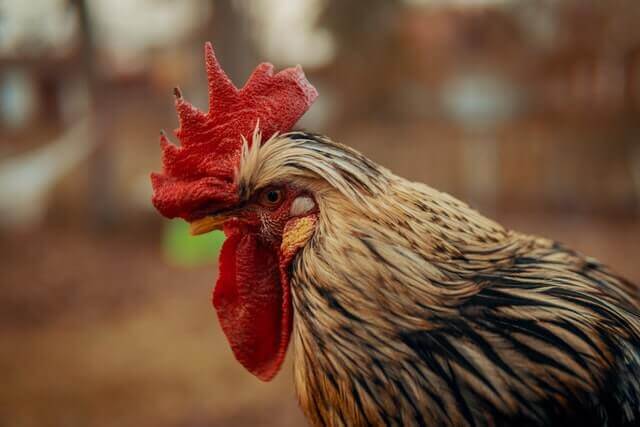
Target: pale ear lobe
301	205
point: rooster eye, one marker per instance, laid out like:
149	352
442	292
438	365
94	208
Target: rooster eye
271	197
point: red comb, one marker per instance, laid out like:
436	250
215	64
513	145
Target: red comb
200	172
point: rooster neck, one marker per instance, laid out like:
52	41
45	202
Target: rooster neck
352	294
410	308
395	321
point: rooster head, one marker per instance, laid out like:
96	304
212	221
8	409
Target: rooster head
265	227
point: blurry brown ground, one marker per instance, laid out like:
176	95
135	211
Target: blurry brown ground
103	333
98	328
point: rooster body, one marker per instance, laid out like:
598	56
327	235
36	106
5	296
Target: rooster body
405	306
411	308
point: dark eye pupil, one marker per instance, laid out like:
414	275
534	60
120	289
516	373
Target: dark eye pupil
273	196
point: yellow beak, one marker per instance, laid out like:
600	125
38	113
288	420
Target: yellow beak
207	224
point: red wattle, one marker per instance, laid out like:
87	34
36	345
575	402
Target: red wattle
253	303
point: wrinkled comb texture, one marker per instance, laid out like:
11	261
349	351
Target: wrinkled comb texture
199	174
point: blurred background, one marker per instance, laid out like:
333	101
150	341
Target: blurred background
529	110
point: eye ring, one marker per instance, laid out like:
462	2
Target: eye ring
271	196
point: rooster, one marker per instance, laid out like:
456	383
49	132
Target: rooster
404	305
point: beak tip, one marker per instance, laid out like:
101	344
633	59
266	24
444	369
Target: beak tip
206	224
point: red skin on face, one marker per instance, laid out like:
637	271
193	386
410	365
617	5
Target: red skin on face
252	295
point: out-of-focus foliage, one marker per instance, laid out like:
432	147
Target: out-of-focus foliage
185	250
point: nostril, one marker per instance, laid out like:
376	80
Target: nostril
301	205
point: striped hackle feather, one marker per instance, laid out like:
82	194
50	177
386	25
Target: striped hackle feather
412	309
